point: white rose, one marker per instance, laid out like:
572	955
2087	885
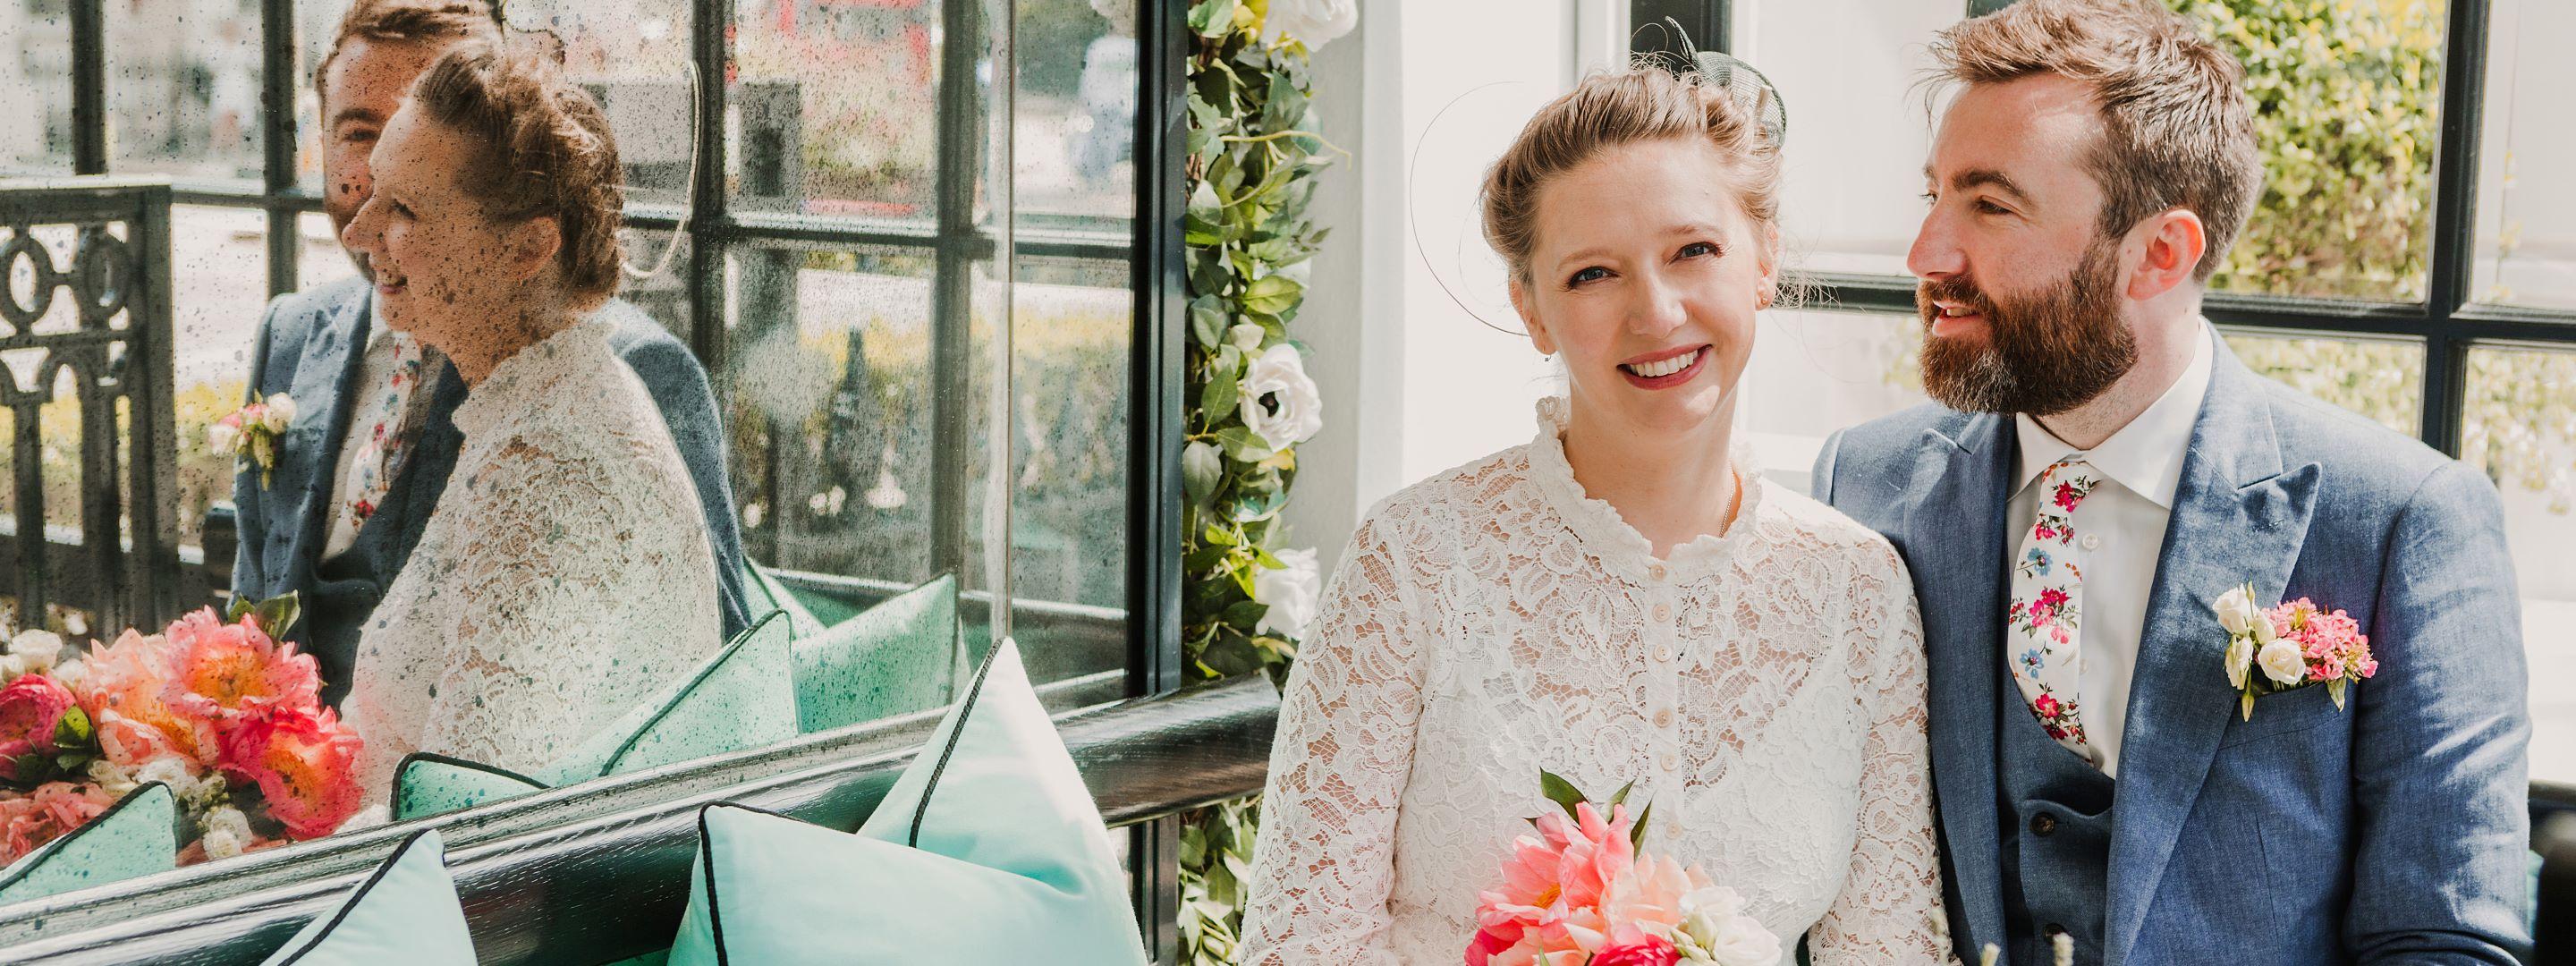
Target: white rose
2264	632
1316	22
281	413
1280	404
1729	940
111	777
1246	336
2240	662
71	673
40	648
227	832
11	666
2283	662
223	439
2236	610
1291	593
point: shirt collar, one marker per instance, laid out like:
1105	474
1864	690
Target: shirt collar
2146	455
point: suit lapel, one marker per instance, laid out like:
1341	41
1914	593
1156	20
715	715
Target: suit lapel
2239	516
340	352
1957	530
414	494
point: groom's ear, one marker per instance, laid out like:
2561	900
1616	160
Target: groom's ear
530	244
2175	242
1529	318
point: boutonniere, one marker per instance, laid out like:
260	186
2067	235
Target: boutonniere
2291	645
251	433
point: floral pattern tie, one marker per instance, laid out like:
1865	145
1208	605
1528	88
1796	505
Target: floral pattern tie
2045	620
390	432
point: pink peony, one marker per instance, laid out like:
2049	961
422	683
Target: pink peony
31	708
224	671
306	765
54	809
125	693
1646	949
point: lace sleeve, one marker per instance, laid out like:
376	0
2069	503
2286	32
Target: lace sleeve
1325	860
1890	908
582	590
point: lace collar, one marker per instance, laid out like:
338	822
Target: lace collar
1604	534
506	393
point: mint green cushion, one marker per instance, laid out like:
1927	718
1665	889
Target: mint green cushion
406	914
779	597
893	659
137	836
743	697
1009	863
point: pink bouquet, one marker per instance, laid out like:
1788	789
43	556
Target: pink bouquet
2290	645
1581	893
230	718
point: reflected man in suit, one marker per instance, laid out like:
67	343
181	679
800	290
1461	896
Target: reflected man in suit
2099	471
374	439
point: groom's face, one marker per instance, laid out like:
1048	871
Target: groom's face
2019	291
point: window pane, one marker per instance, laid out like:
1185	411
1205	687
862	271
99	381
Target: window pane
1815	372
633	56
1853	172
2526	249
183	90
2520	426
2381	380
1073	321
2347	98
219	262
836	107
1076	137
36	88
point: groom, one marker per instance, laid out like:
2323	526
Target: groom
338	518
2100	458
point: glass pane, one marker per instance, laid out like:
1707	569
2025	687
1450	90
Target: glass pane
36	88
1076	139
2346	108
2526	247
219	264
1072	325
634	58
2381	380
836	107
1853	174
2520	426
183	85
1815	372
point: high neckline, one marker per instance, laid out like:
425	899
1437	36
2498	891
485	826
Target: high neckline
582	344
1609	536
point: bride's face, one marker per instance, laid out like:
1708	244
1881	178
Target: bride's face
1645	273
446	268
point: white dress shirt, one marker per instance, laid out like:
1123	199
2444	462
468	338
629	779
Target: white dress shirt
2120	530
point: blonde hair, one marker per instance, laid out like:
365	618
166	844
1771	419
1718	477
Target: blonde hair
545	151
2178	131
1643	103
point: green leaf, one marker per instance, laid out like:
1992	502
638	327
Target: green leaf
1272	294
1225	383
1201	470
1560	791
277	614
1621	797
1212	18
1285	108
1637	832
1243	444
73	729
1207	319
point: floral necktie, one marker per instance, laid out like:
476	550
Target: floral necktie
390	432
2048	604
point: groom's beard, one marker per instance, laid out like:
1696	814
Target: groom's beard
2042	354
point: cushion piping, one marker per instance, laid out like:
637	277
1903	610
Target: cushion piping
59	841
355	897
435	758
707	857
722	657
921	810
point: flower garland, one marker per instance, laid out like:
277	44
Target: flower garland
1252	160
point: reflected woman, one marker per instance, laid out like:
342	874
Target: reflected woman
1623	598
566	574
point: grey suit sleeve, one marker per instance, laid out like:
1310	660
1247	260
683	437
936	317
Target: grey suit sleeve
688	404
1820	481
250	518
2442	731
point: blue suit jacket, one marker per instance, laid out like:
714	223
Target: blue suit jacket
2395	829
310	346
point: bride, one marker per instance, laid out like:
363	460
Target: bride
1622	598
567	575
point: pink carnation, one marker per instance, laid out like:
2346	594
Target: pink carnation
2331	642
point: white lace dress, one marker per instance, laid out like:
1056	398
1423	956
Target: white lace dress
1764	689
564	577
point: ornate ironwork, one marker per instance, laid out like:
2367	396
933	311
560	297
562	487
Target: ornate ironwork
86	306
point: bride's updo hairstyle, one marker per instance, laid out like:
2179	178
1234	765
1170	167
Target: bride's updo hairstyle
544	151
1642	103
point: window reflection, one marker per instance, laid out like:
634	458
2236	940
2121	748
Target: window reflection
2520	427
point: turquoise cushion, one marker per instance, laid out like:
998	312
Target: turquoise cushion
987	850
137	836
744	697
406	914
896	658
778	597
